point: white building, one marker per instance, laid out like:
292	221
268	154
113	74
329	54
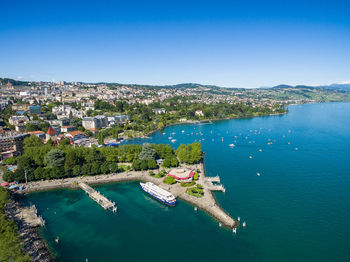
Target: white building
158	111
199	113
113	120
95	122
18	120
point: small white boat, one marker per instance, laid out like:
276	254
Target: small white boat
258	174
170	137
173	140
231	145
244	224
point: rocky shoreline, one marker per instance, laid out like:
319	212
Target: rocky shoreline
33	244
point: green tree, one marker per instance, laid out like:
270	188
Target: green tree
71	160
100	138
113	167
136	164
55	158
152	164
76	171
65	142
147	152
105	168
32	141
144	164
31	127
169	180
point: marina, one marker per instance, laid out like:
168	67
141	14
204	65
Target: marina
207	203
283	208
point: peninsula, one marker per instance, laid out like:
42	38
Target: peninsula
206	201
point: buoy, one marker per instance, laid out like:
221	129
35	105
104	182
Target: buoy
234	230
260	150
258	174
220	225
250	157
195	208
239	219
296	148
57	239
244	224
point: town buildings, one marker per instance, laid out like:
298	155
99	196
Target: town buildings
11	143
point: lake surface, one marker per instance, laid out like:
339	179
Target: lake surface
298	209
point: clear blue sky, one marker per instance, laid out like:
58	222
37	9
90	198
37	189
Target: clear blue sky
228	43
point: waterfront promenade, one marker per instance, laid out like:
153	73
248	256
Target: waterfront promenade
207	203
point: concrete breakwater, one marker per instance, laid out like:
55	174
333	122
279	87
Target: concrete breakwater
207	203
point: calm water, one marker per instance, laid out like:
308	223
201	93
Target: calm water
297	210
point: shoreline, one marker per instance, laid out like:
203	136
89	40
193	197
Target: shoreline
207	203
33	243
189	122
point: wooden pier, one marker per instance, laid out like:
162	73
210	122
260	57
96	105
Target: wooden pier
98	197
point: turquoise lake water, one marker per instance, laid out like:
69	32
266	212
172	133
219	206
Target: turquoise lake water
297	210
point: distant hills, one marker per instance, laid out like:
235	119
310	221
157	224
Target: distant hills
344	87
335	87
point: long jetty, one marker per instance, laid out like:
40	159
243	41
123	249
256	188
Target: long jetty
98	197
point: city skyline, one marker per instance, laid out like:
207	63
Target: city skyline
228	44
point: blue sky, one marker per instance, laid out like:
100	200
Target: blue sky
226	43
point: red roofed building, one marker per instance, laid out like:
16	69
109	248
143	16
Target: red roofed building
93	130
38	133
182	175
51	134
76	137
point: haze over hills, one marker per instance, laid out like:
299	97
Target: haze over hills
331	86
334	86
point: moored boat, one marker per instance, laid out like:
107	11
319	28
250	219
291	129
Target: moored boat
159	193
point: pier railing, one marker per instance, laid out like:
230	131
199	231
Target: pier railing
98	197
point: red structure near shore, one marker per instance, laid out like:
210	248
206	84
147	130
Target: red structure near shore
185	176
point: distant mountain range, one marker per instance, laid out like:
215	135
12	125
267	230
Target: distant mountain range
345	87
335	87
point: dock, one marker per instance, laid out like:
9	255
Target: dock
209	181
98	197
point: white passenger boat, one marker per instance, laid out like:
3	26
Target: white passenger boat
159	193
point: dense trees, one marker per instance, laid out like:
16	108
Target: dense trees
189	154
11	248
47	161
